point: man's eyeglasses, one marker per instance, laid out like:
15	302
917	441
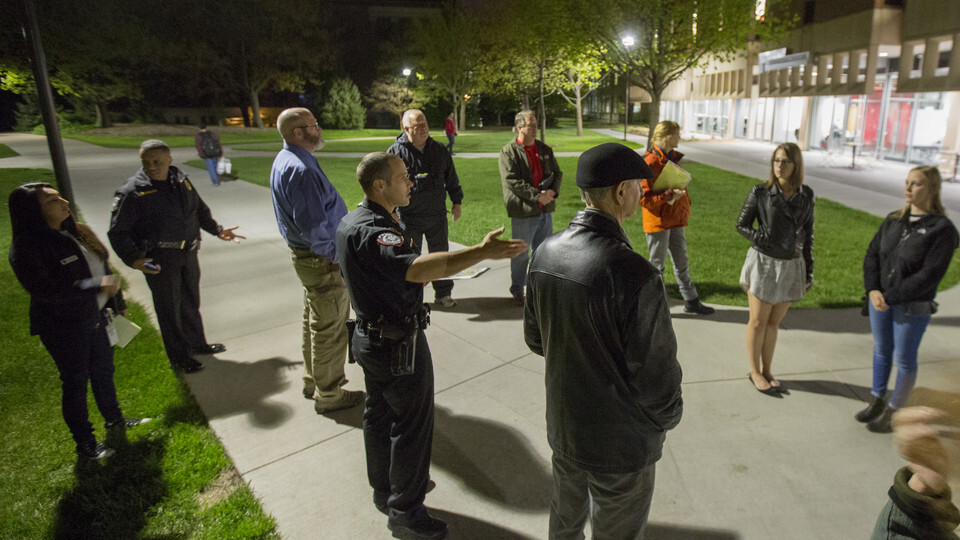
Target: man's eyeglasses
308	126
782	162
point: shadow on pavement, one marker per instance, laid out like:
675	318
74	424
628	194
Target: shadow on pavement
111	497
487	309
493	460
659	531
945	321
842	321
227	388
470	528
827	388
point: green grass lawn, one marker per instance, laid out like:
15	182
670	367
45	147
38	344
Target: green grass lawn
6	151
267	138
716	250
160	484
562	140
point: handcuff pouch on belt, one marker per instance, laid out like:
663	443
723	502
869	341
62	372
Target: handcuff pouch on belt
399	340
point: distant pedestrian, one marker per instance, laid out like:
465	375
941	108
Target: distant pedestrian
779	266
597	312
210	150
665	215
155	228
63	265
308	210
905	262
530	178
450	129
434	179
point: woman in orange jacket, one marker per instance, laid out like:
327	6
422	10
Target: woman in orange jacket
665	213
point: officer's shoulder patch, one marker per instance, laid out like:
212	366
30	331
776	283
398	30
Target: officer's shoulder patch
116	203
390	238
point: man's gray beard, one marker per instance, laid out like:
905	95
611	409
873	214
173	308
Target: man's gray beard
320	144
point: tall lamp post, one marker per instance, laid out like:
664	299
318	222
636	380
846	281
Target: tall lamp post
627	43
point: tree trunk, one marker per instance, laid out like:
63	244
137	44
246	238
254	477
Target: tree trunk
525	100
654	114
543	110
579	108
463	115
103	115
255	108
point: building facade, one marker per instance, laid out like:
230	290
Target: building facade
880	78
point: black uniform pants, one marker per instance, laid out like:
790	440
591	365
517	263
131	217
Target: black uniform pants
397	425
176	300
434	228
81	355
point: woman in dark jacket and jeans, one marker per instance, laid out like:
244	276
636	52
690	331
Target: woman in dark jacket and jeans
779	266
905	262
63	266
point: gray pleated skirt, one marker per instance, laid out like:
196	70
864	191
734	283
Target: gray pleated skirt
773	280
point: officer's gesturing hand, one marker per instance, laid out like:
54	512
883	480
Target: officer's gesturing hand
227	234
440	264
494	248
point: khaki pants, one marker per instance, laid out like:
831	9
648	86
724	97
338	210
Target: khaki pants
326	305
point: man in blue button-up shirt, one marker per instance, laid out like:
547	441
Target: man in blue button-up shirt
308	210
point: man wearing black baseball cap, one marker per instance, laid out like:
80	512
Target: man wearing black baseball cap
597	311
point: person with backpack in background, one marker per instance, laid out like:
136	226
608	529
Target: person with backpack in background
210	150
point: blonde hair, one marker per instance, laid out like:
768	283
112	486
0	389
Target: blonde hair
933	180
796	156
664	129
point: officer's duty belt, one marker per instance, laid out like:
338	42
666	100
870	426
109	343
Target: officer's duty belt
396	330
182	244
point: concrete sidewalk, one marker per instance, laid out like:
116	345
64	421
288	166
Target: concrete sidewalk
740	464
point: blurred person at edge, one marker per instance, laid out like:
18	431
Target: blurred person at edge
63	265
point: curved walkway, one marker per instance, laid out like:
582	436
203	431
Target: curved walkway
740	464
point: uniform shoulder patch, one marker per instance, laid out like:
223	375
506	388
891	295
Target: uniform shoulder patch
390	238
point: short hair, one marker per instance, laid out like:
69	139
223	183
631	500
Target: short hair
933	180
405	121
202	125
374	166
664	129
595	196
793	154
520	120
289	120
153	144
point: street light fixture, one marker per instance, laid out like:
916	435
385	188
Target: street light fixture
407	72
627	42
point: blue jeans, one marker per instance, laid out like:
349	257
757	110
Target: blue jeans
896	335
534	231
212	169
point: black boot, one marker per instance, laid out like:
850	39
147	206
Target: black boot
881	424
872	411
696	306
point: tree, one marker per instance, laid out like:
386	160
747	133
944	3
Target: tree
448	51
671	37
393	95
582	74
343	108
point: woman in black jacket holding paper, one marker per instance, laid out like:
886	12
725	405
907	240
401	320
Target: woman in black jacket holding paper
63	266
905	262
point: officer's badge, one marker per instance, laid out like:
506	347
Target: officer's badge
390	238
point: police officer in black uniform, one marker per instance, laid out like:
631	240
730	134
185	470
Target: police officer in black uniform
155	228
385	275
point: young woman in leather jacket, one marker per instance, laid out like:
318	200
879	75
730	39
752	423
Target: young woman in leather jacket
779	266
905	262
64	267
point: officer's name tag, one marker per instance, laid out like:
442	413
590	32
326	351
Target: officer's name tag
69	259
390	239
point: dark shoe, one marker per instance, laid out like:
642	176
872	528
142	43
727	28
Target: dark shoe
519	299
126	422
772	392
94	450
212	348
308	391
446	301
380	498
421	526
881	424
191	366
347	400
696	306
873	410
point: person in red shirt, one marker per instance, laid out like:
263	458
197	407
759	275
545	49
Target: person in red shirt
450	129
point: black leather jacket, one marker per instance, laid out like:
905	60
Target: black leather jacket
786	228
597	312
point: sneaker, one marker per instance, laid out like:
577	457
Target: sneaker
191	366
347	400
446	301
211	348
697	307
126	422
519	299
94	450
308	391
420	526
